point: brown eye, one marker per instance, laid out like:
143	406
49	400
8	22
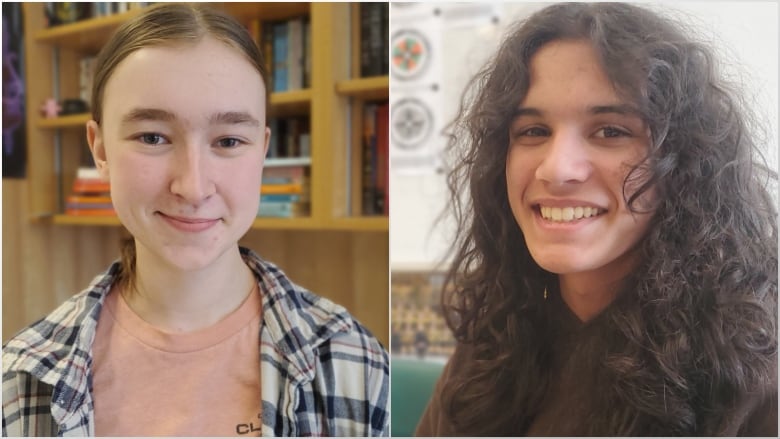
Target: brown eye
608	132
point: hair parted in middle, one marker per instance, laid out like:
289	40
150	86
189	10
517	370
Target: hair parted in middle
697	319
167	24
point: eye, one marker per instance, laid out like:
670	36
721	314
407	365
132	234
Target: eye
229	142
610	131
533	135
533	132
151	139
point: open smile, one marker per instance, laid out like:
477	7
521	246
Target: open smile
567	214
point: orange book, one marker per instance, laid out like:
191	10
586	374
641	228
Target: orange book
290	188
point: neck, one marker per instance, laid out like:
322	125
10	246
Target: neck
588	293
183	301
587	303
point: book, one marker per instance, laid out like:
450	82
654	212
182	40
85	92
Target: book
267	48
286	198
282	209
90	212
374	39
382	163
290	137
90	186
295	54
306	52
369	159
280	56
282	188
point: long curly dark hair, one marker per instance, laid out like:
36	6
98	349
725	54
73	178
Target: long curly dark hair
696	324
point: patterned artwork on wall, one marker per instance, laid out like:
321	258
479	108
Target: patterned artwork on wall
410	54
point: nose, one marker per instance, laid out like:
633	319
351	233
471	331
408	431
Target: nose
566	159
192	175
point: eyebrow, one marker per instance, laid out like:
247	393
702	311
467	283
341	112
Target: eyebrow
233	118
622	109
222	118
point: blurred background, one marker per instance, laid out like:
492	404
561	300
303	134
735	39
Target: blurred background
435	49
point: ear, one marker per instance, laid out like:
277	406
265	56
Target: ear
97	147
267	141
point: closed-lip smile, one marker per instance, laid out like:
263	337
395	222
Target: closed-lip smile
189	224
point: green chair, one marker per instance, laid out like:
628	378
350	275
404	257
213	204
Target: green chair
411	386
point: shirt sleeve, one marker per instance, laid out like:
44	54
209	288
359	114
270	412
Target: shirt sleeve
26	406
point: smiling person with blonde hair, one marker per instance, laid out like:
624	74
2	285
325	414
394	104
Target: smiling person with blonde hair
190	334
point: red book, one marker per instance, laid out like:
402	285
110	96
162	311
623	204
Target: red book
90	186
382	149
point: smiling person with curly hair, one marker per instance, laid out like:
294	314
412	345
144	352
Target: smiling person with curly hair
615	271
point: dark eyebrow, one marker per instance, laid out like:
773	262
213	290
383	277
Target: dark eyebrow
233	118
141	114
622	109
526	111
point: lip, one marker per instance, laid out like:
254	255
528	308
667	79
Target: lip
188	224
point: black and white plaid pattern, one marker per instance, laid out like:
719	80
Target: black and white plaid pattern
322	373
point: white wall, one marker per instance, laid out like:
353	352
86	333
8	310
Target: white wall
746	34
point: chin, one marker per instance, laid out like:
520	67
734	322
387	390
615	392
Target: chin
561	264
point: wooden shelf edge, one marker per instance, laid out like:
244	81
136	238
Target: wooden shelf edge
361	223
371	87
69	121
52	34
291	97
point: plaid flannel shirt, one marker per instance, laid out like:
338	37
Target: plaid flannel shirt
322	373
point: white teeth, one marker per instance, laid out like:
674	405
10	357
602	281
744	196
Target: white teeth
565	214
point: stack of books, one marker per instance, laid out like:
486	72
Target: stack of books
285	188
91	195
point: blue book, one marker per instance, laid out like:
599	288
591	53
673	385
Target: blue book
280	198
280	56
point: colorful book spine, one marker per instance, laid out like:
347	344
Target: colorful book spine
280	56
295	54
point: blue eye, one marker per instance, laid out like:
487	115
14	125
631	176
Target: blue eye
229	142
151	138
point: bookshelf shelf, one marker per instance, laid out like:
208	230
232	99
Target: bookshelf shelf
69	121
269	11
375	87
86	35
362	223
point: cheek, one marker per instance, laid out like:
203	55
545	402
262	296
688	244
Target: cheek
519	173
132	175
243	178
